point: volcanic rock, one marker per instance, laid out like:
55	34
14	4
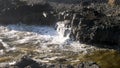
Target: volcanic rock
94	27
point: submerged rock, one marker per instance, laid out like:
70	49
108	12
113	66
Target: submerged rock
27	62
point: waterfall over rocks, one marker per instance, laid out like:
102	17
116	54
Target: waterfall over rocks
63	28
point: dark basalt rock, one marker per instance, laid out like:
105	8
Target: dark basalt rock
27	14
92	26
88	65
27	62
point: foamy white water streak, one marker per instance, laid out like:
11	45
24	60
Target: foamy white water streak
21	34
42	36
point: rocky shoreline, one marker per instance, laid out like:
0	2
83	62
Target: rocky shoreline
27	62
92	22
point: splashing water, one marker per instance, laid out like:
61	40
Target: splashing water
63	31
42	39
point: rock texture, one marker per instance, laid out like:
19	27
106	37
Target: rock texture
91	22
31	11
91	26
26	62
17	11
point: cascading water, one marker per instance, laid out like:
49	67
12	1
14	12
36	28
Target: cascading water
37	41
63	30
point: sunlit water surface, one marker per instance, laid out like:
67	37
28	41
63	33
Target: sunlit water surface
42	43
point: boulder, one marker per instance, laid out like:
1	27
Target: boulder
27	62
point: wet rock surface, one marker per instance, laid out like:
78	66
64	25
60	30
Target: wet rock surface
95	27
26	62
92	26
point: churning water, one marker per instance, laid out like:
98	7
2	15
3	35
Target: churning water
23	39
